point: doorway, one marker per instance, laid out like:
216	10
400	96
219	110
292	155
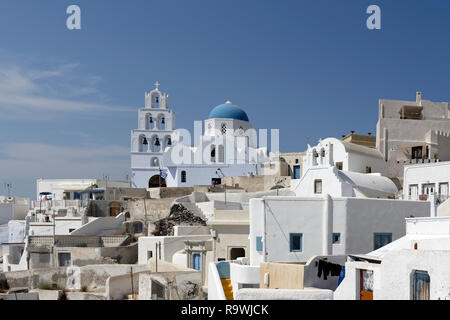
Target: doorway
157	181
365	284
236	253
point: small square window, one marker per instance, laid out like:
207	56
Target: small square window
368	169
259	244
336	238
296	242
296	160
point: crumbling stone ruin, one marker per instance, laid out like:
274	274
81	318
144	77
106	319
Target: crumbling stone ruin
179	215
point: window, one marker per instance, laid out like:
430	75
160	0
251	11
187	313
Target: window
339	165
296	160
296	242
336	238
64	259
221	153
223	128
138	227
368	169
259	244
297	172
197	261
183	176
213	153
317	186
381	239
416	152
428	188
421	285
443	190
413	192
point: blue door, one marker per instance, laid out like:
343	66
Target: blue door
197	261
296	172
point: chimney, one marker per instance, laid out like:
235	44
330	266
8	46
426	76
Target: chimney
353	131
418	97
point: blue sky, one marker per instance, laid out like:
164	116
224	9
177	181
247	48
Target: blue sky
69	99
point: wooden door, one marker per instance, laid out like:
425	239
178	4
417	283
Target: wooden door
366	284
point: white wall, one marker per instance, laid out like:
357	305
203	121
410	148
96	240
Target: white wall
425	174
170	245
356	219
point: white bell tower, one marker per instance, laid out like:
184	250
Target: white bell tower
156	123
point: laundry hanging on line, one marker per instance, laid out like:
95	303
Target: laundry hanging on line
327	268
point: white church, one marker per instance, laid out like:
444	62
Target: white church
162	156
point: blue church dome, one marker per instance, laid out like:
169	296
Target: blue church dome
228	111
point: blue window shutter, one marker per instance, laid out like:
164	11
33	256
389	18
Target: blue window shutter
296	242
259	244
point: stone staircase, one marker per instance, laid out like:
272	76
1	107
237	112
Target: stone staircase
192	207
227	288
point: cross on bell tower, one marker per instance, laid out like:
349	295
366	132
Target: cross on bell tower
157	85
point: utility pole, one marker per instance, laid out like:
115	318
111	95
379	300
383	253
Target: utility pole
156	257
145	216
132	288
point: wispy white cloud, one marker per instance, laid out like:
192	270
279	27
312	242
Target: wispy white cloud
61	89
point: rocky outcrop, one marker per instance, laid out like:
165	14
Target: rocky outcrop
179	215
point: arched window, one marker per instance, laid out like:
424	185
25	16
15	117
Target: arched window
167	142
154	162
213	153
156	101
161	122
183	176
143	143
155	144
150	122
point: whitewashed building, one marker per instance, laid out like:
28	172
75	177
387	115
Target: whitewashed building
414	267
297	228
163	156
70	189
422	180
412	132
343	169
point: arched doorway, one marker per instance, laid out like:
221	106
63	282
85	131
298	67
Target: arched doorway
156	181
236	253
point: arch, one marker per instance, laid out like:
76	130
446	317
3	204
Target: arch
156	181
213	153
167	141
141	147
149	121
138	227
154	162
155	144
156	99
162	121
183	176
